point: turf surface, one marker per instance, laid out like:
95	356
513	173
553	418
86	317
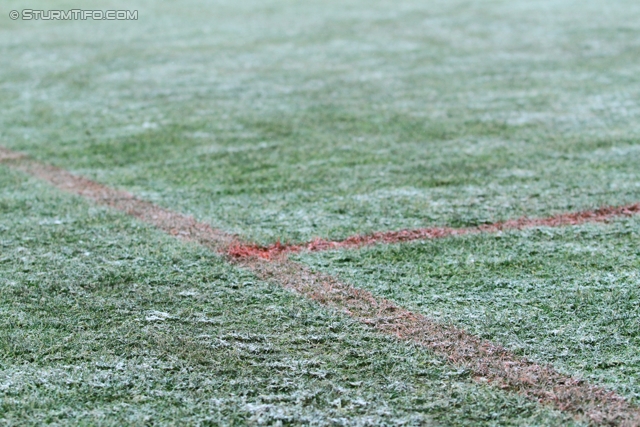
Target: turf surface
285	120
107	322
565	296
288	120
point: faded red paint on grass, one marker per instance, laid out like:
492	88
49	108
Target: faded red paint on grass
278	249
488	362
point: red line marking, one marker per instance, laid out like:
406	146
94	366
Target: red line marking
240	250
487	361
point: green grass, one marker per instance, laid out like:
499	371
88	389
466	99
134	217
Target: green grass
567	296
287	120
105	321
279	119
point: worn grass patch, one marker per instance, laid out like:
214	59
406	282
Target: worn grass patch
565	296
107	322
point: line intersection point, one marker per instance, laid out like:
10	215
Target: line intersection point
489	363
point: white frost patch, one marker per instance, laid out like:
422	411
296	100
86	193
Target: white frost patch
406	193
189	293
216	148
51	222
158	316
149	125
208	320
516	173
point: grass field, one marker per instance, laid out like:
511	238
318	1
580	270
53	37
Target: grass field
279	120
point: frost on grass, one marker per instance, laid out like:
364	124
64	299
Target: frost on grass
486	111
158	316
